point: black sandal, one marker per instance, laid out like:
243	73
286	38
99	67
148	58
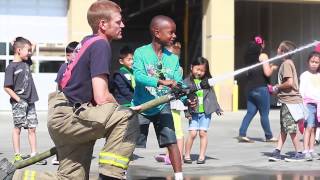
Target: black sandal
187	160
199	161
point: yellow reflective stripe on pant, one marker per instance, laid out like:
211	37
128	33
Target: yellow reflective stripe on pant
113	159
29	175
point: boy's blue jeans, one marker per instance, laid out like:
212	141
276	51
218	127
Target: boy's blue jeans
258	100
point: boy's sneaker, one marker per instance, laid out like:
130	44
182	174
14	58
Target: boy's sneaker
54	161
308	156
42	162
298	157
275	156
315	155
17	158
26	156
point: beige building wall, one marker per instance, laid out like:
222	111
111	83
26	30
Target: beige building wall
218	44
77	19
217	37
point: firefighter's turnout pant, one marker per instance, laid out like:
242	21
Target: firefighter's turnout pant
74	132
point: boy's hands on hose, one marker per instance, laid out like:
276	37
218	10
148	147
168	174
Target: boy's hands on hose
169	83
192	103
192	100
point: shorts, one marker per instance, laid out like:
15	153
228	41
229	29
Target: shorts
163	126
177	123
311	121
287	122
24	114
200	121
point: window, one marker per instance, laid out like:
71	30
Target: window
50	66
34	7
11	49
2	65
2	48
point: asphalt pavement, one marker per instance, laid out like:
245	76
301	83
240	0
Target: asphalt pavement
226	158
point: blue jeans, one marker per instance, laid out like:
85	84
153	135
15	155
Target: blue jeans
258	100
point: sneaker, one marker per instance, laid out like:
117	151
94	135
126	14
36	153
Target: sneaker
298	157
26	156
275	156
17	158
42	162
308	156
167	160
160	157
54	161
243	139
103	177
315	155
272	140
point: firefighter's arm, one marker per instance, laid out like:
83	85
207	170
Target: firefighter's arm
101	92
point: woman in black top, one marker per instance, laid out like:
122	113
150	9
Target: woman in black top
258	97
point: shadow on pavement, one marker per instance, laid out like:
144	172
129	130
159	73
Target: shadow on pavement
275	176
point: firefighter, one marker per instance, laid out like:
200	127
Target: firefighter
84	110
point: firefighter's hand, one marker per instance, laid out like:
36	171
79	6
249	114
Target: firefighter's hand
136	108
